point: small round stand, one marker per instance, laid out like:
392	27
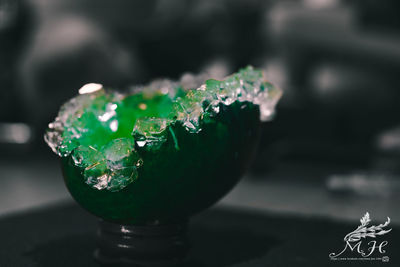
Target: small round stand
147	246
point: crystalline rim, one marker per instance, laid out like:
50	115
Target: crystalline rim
246	85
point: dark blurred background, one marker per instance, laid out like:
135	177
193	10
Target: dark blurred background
333	149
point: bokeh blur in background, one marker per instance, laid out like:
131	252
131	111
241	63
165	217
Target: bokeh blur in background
333	149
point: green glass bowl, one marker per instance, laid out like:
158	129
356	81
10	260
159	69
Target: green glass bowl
145	162
175	184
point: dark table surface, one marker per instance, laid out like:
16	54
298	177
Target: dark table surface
64	235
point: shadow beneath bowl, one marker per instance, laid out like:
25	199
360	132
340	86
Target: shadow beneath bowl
225	247
218	238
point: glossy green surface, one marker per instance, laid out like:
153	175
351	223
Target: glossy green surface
186	174
163	152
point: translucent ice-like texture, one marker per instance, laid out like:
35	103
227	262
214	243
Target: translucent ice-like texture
150	132
102	132
112	168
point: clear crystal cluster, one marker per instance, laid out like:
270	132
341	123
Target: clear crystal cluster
99	130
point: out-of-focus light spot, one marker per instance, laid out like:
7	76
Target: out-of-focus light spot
325	78
15	133
218	69
114	125
142	106
90	88
389	140
164	90
319	4
275	72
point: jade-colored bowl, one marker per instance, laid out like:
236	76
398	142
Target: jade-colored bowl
174	184
162	153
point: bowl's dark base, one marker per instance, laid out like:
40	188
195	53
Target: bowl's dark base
150	245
